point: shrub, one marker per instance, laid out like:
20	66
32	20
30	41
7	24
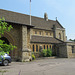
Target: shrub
49	52
44	52
33	56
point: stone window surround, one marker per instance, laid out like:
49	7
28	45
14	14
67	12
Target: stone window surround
42	33
35	32
73	51
44	46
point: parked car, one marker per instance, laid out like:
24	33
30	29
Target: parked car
5	59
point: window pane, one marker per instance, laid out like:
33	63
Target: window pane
47	46
73	51
35	32
46	33
44	46
33	48
36	48
50	46
50	34
40	32
59	36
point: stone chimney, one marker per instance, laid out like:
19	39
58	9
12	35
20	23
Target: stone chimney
45	16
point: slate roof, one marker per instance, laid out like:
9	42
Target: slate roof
44	39
37	22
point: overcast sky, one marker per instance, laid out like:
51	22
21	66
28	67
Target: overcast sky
64	10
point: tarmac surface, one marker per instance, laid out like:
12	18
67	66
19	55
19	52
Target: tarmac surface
61	66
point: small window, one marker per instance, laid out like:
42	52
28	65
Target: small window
46	33
44	46
40	48
50	34
73	51
33	48
36	48
40	32
35	32
47	46
50	46
59	36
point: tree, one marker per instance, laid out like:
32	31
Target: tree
5	48
72	40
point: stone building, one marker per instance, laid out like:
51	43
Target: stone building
42	32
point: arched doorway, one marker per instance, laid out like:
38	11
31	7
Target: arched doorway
9	39
5	40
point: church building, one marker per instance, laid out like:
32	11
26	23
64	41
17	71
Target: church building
42	32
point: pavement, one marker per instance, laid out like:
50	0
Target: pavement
58	66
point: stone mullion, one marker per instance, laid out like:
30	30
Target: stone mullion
34	47
48	46
45	46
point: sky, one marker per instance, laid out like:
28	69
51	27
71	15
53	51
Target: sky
64	10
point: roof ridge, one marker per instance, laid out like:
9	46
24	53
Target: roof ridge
14	12
24	14
38	22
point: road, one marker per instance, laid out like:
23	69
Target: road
63	66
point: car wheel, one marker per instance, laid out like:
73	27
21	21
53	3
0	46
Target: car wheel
5	62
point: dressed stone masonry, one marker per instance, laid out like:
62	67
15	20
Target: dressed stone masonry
26	53
42	32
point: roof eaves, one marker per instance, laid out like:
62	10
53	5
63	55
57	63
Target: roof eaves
59	40
21	24
43	29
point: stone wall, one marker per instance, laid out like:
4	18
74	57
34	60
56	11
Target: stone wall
65	50
14	37
69	50
57	31
43	32
39	44
62	50
62	33
28	38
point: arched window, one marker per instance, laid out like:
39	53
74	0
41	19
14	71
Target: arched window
50	34
44	46
73	50
33	48
40	48
46	33
50	46
36	48
47	46
40	33
59	36
35	32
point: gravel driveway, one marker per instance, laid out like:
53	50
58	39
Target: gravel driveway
63	66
